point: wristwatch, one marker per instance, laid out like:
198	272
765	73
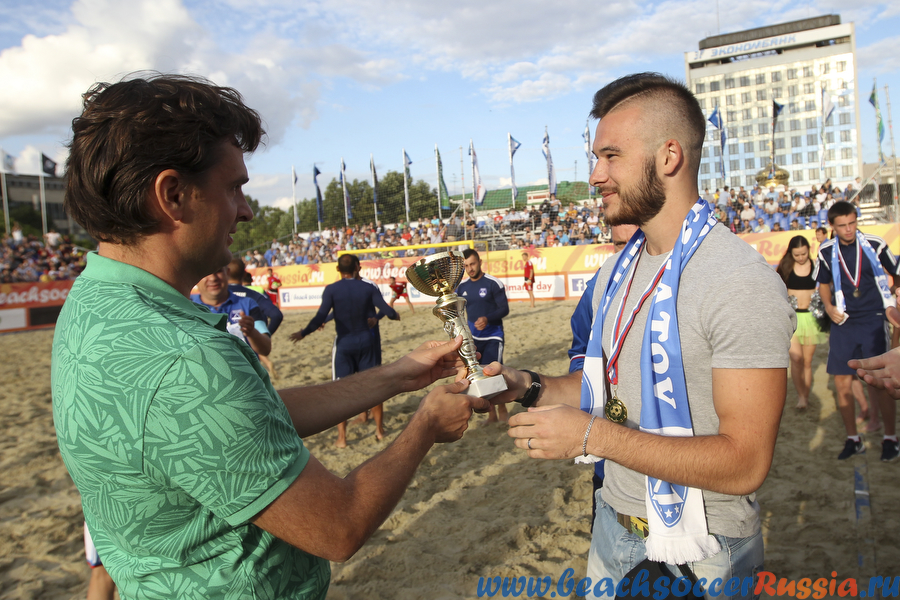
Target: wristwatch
533	392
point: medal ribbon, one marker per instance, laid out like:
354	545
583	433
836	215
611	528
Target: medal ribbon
853	280
617	339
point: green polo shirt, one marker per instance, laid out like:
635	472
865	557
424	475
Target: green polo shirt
176	439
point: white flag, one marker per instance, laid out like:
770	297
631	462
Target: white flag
479	187
551	172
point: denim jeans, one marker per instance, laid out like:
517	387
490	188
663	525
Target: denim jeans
615	551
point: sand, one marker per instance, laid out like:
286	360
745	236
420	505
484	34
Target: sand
476	508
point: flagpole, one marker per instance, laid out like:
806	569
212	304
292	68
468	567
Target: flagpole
294	196
374	185
43	204
887	96
462	171
474	181
344	188
437	166
512	191
5	202
772	153
405	185
878	123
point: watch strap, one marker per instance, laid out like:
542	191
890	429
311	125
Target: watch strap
531	395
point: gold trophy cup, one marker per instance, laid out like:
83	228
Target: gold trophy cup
438	275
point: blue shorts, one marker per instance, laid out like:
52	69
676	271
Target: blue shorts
491	351
863	337
353	353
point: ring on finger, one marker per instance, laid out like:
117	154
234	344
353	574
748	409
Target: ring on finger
529	443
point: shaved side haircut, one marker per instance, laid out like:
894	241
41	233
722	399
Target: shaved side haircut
672	111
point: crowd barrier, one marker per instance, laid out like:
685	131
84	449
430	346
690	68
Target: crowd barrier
560	274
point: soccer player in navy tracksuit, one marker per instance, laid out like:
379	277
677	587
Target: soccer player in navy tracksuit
486	305
353	301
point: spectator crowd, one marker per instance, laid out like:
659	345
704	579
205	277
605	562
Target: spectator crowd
25	258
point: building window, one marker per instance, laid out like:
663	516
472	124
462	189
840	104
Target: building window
760	94
810	122
809	88
776	76
749	180
847	171
760	78
793	90
845	135
829	137
807	71
812	157
732	116
732	132
746	114
729	83
717	151
779	127
795	124
830	173
744	81
734	148
704	168
776	92
714	86
713	135
825	68
745	97
796	141
846	153
762	112
729	100
842	84
792	73
829	154
797	158
748	146
735	165
793	107
841	66
749	163
779	159
797	176
843	101
700	88
779	143
844	118
813	174
705	152
812	139
763	145
763	128
747	130
810	105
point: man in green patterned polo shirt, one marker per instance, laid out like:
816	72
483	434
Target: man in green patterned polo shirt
195	482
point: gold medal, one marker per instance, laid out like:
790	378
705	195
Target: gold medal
856	293
615	411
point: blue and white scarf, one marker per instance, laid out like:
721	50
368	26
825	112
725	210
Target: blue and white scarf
676	514
880	278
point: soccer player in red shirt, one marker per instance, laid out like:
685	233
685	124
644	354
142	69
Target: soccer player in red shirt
398	290
529	277
272	285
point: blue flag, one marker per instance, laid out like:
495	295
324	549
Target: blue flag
374	183
716	119
319	207
442	189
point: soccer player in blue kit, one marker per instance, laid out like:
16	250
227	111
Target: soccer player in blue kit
486	305
353	301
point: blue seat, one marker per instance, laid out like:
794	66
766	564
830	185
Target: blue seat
802	222
823	217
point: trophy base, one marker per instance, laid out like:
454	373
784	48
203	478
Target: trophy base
487	387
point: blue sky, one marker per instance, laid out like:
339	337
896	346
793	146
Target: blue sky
359	77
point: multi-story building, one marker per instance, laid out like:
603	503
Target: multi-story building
797	65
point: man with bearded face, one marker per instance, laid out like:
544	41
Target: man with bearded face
680	390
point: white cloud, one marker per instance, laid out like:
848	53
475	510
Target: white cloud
882	57
284	203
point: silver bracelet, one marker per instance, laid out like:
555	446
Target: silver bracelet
586	434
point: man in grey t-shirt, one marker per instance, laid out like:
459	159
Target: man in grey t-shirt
734	323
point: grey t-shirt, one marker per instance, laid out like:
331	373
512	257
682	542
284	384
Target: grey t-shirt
733	313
